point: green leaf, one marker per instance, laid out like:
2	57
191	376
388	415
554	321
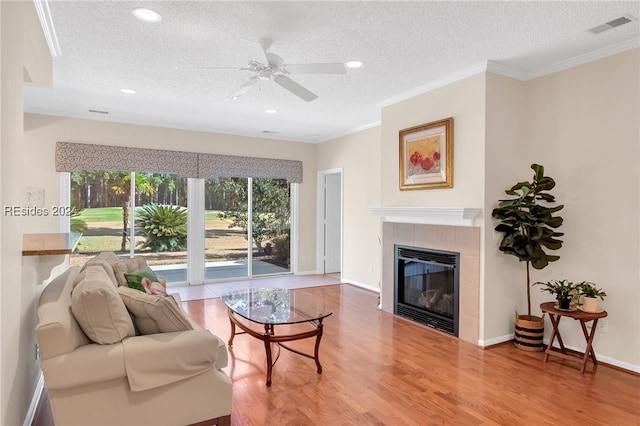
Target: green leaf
539	171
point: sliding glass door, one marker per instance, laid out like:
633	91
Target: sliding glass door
240	244
271	226
226	248
241	226
131	214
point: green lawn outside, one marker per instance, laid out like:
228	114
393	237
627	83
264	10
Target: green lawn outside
114	214
102	214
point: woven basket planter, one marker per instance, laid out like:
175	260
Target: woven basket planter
529	333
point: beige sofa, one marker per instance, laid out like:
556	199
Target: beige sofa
100	369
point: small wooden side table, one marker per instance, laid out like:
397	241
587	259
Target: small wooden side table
569	354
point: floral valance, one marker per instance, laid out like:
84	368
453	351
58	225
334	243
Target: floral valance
213	165
74	157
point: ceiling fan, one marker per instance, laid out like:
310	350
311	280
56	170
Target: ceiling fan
269	66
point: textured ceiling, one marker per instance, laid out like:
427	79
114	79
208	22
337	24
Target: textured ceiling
404	45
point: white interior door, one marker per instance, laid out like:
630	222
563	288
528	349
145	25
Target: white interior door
332	222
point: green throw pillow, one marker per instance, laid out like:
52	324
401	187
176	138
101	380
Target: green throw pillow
134	279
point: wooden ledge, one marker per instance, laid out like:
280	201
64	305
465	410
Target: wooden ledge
49	244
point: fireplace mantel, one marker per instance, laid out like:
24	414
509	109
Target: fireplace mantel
456	216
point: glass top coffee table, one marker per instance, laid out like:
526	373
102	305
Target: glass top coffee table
276	306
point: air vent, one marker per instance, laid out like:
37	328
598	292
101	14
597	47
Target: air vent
612	24
97	111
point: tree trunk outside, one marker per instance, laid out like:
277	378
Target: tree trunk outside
125	222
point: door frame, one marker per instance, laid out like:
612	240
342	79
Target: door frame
320	218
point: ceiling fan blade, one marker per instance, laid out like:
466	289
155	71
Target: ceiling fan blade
294	87
212	69
329	68
265	44
244	88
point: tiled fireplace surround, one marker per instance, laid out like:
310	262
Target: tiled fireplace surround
462	239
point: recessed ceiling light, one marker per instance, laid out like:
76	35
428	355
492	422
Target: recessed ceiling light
270	111
128	91
354	64
146	15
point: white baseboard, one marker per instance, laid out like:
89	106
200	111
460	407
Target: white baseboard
358	284
495	340
308	273
605	359
31	413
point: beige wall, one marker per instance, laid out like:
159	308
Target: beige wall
19	369
358	155
464	101
504	284
584	126
42	132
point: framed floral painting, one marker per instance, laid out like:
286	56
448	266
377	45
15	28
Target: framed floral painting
426	156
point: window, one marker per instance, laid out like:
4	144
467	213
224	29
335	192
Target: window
154	222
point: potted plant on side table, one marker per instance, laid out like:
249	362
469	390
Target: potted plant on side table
528	225
565	291
590	294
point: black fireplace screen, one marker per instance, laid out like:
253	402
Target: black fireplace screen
427	286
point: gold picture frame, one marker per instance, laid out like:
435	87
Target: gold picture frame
426	156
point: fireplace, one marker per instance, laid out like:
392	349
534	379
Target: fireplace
427	286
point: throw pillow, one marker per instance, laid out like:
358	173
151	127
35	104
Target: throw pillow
128	266
154	314
99	310
134	279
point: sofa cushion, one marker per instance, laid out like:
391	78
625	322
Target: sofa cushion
128	266
108	270
134	278
154	314
99	309
58	331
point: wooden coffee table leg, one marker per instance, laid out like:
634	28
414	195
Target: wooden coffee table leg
233	327
317	348
268	332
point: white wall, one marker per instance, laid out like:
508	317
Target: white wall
42	132
22	52
358	155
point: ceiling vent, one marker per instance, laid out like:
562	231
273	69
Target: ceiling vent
97	111
612	24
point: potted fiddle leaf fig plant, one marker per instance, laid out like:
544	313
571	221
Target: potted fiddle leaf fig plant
590	294
529	224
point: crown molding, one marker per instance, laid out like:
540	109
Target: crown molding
614	49
46	22
507	71
440	82
351	131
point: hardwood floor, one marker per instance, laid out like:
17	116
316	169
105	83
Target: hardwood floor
379	369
